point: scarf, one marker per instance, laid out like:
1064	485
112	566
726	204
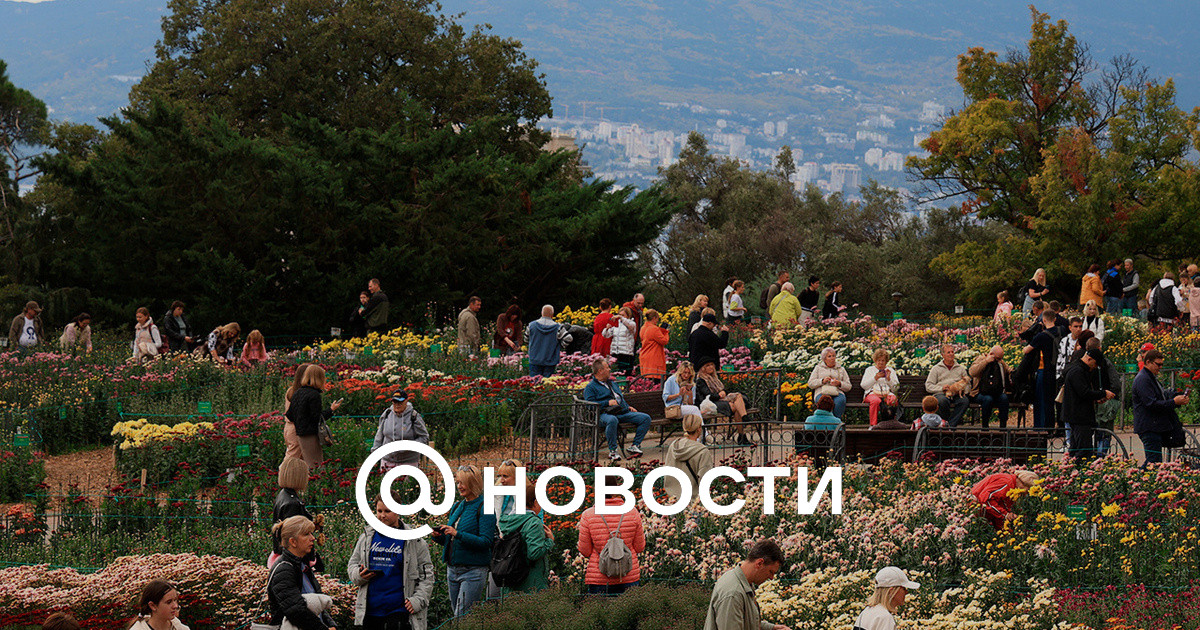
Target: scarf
715	386
142	332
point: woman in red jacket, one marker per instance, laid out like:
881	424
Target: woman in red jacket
600	344
594	530
992	494
654	343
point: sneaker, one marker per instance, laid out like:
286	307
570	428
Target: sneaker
634	450
614	455
744	441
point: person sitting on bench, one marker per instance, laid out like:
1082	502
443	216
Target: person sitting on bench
606	393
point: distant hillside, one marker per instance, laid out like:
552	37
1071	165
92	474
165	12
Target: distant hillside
82	55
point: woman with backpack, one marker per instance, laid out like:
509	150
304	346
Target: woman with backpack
147	341
537	542
611	543
467	540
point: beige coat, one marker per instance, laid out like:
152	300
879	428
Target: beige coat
976	371
819	374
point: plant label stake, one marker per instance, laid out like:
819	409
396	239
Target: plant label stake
243	450
204	407
335	332
1077	512
21	440
62	413
369	443
897	315
120	412
958	309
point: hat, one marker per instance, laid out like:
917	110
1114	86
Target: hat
33	305
1147	347
1095	354
709	317
893	576
399	396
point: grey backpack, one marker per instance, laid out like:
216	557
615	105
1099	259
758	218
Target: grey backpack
616	560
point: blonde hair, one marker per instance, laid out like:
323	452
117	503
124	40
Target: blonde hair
293	474
474	478
255	336
696	302
881	353
708	311
884	596
292	527
1027	477
625	312
314	376
231	330
692	424
511	465
684	365
1091	304
297	380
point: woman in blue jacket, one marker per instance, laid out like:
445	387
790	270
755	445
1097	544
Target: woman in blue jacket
467	539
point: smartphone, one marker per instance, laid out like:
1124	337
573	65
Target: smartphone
340	401
1187	392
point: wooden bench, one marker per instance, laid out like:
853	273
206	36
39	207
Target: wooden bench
912	392
651	403
1016	444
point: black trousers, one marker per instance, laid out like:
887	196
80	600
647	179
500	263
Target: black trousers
394	621
1083	443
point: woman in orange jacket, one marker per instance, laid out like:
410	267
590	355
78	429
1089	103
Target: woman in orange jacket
653	357
992	493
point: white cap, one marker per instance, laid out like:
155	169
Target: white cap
893	576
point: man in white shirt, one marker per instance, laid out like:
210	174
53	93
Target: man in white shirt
26	329
1066	348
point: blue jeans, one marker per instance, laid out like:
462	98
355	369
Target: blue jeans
466	587
1152	444
609	589
1112	305
952	409
541	370
839	403
612	433
987	402
1130	303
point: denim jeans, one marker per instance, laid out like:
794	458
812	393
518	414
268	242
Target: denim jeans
1152	444
1130	303
466	587
1112	305
611	421
609	589
987	402
839	403
541	370
952	409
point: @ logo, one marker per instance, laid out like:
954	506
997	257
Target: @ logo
424	501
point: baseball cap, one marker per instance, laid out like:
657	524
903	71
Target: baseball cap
33	305
709	317
1095	354
1147	347
399	396
893	576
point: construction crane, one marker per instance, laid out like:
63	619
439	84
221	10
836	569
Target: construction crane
604	107
585	104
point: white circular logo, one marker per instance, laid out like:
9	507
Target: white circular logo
424	501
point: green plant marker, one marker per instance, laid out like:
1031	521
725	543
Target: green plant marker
368	442
20	440
203	407
727	368
368	351
1131	368
1077	512
920	352
435	348
119	411
494	353
1127	312
62	413
960	339
897	315
243	450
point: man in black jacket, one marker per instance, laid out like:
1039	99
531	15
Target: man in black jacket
1081	393
1154	409
375	311
704	344
1038	366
